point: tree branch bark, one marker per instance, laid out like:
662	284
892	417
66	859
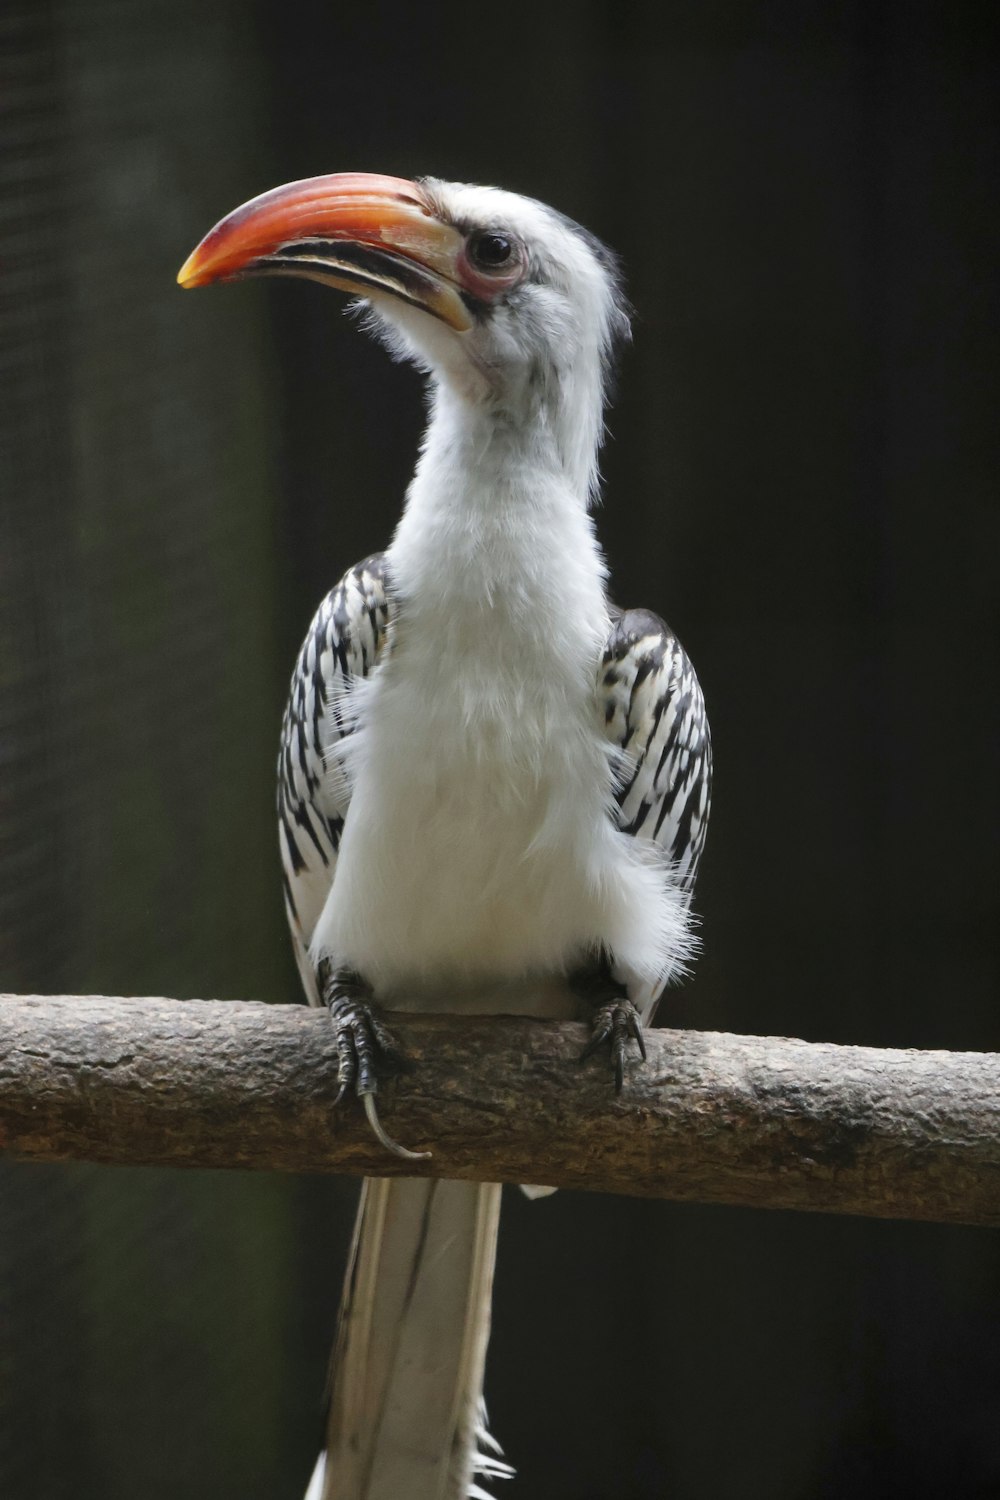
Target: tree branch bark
762	1121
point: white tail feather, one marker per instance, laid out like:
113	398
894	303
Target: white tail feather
315	1490
406	1415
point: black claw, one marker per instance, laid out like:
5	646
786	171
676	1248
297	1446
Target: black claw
635	1032
599	1035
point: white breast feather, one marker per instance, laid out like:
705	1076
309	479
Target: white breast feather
479	843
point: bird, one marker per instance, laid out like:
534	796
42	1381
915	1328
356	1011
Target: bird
493	783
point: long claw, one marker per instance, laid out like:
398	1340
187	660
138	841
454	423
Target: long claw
635	1032
600	1036
387	1140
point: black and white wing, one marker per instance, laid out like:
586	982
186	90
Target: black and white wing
655	713
346	639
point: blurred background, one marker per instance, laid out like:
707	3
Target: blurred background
802	477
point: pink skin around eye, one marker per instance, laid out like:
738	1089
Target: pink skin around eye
487	286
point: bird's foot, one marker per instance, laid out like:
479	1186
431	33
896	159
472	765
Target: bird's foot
616	1022
614	1018
366	1048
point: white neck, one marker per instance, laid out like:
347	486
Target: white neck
498	508
551	410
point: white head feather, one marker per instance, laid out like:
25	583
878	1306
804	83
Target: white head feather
539	354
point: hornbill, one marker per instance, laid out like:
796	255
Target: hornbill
493	784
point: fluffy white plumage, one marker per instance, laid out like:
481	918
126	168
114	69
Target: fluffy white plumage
479	753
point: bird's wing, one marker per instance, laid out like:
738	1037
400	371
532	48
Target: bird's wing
346	639
654	713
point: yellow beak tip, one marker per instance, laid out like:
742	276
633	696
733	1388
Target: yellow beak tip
187	276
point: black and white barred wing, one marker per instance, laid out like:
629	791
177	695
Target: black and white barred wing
344	642
655	713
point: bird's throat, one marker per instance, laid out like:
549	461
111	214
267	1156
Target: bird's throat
495	518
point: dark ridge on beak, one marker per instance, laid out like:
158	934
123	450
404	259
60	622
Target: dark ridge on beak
365	265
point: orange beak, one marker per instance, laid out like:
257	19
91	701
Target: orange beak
357	231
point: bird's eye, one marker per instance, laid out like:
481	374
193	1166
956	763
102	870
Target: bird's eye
491	249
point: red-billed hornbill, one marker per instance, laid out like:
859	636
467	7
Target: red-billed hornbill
493	784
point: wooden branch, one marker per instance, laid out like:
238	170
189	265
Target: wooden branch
762	1121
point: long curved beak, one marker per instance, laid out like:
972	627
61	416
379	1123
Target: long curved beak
357	231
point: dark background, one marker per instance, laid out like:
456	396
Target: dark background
801	476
